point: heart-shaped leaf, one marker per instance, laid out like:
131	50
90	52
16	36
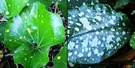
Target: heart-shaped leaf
32	33
60	61
10	8
95	32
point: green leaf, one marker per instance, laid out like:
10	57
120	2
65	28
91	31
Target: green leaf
120	3
78	3
133	12
47	3
33	32
63	7
60	61
2	29
95	32
11	8
31	58
132	41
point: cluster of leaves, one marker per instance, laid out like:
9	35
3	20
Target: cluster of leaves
31	30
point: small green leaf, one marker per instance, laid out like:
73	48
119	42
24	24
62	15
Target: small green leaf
32	33
60	61
132	41
63	7
2	29
120	3
11	8
133	12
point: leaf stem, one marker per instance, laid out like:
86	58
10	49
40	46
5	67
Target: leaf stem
56	6
16	65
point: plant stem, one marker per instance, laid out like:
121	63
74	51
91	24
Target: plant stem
56	6
16	65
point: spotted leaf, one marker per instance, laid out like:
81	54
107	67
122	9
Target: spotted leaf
78	3
32	33
95	33
10	8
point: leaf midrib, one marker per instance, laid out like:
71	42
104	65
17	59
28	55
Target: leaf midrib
106	28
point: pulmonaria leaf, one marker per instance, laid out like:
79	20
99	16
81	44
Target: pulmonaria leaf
10	8
132	41
32	33
95	33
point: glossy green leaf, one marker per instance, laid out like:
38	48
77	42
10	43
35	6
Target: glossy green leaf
60	61
33	32
121	3
31	58
63	7
2	29
47	3
11	8
95	32
132	41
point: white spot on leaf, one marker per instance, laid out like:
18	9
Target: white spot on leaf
89	54
94	42
81	13
96	51
86	23
7	12
80	55
71	45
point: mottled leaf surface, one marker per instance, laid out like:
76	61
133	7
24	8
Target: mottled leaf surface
60	61
10	8
132	41
31	34
78	3
95	32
